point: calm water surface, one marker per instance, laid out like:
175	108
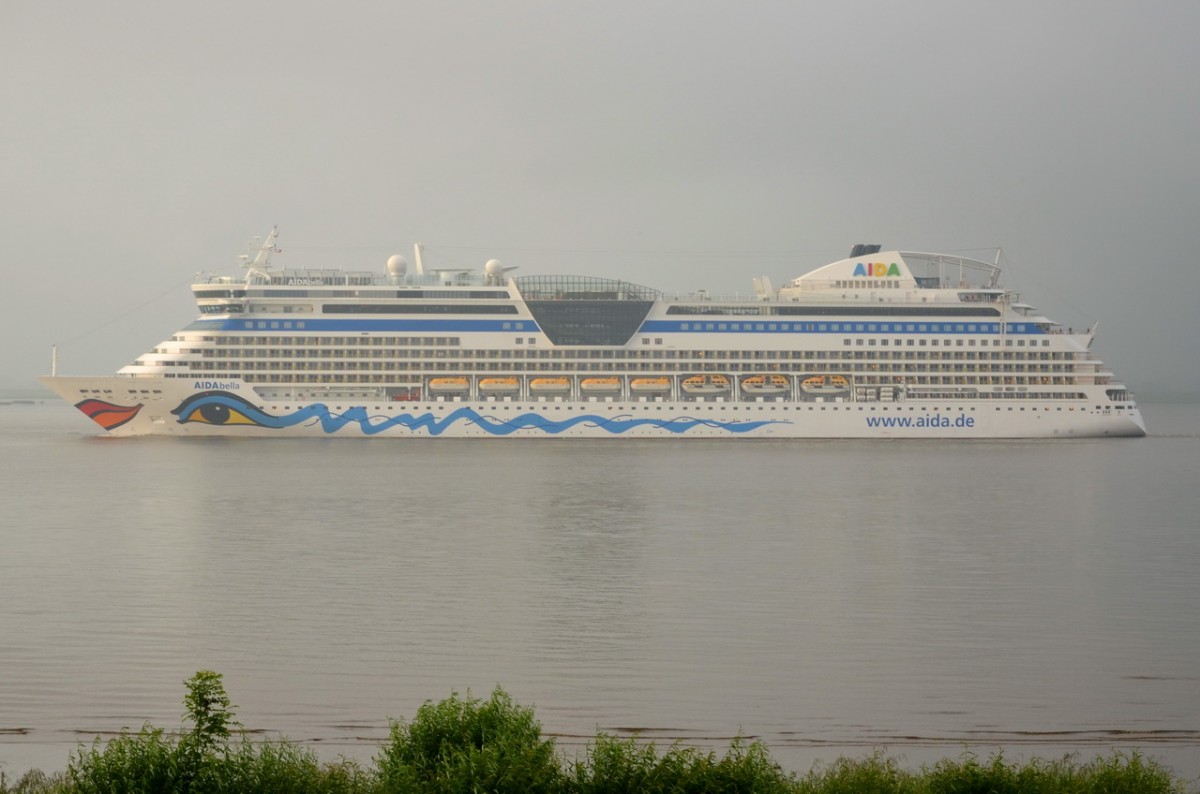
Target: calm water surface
827	597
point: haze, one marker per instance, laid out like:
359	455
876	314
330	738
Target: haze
679	145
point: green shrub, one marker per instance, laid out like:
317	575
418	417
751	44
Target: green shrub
614	765
873	775
1118	774
282	768
35	781
970	777
150	761
146	762
469	745
203	760
210	712
623	765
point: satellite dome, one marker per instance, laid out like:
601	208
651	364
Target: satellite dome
397	265
493	269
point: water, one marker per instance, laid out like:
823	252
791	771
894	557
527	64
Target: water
829	598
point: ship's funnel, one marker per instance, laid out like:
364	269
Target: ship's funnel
862	249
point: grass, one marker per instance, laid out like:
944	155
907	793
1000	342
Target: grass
471	745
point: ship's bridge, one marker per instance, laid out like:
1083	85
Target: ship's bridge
585	310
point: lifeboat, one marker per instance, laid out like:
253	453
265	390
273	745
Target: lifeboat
650	385
499	385
448	385
550	385
403	395
765	385
821	384
706	384
600	385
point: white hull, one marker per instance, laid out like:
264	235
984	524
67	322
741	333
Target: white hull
144	406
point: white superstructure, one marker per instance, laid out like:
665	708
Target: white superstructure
882	344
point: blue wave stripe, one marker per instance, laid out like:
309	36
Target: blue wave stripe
223	409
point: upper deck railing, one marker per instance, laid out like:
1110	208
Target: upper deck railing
943	271
931	271
333	277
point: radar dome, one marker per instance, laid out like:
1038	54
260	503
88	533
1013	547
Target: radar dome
397	265
493	269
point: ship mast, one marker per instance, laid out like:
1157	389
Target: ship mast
262	259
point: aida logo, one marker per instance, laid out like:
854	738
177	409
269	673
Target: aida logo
876	269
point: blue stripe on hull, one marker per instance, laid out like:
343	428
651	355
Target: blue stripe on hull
780	326
647	327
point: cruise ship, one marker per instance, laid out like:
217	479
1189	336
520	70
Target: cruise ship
882	344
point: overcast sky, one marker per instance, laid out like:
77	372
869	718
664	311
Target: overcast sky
681	145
